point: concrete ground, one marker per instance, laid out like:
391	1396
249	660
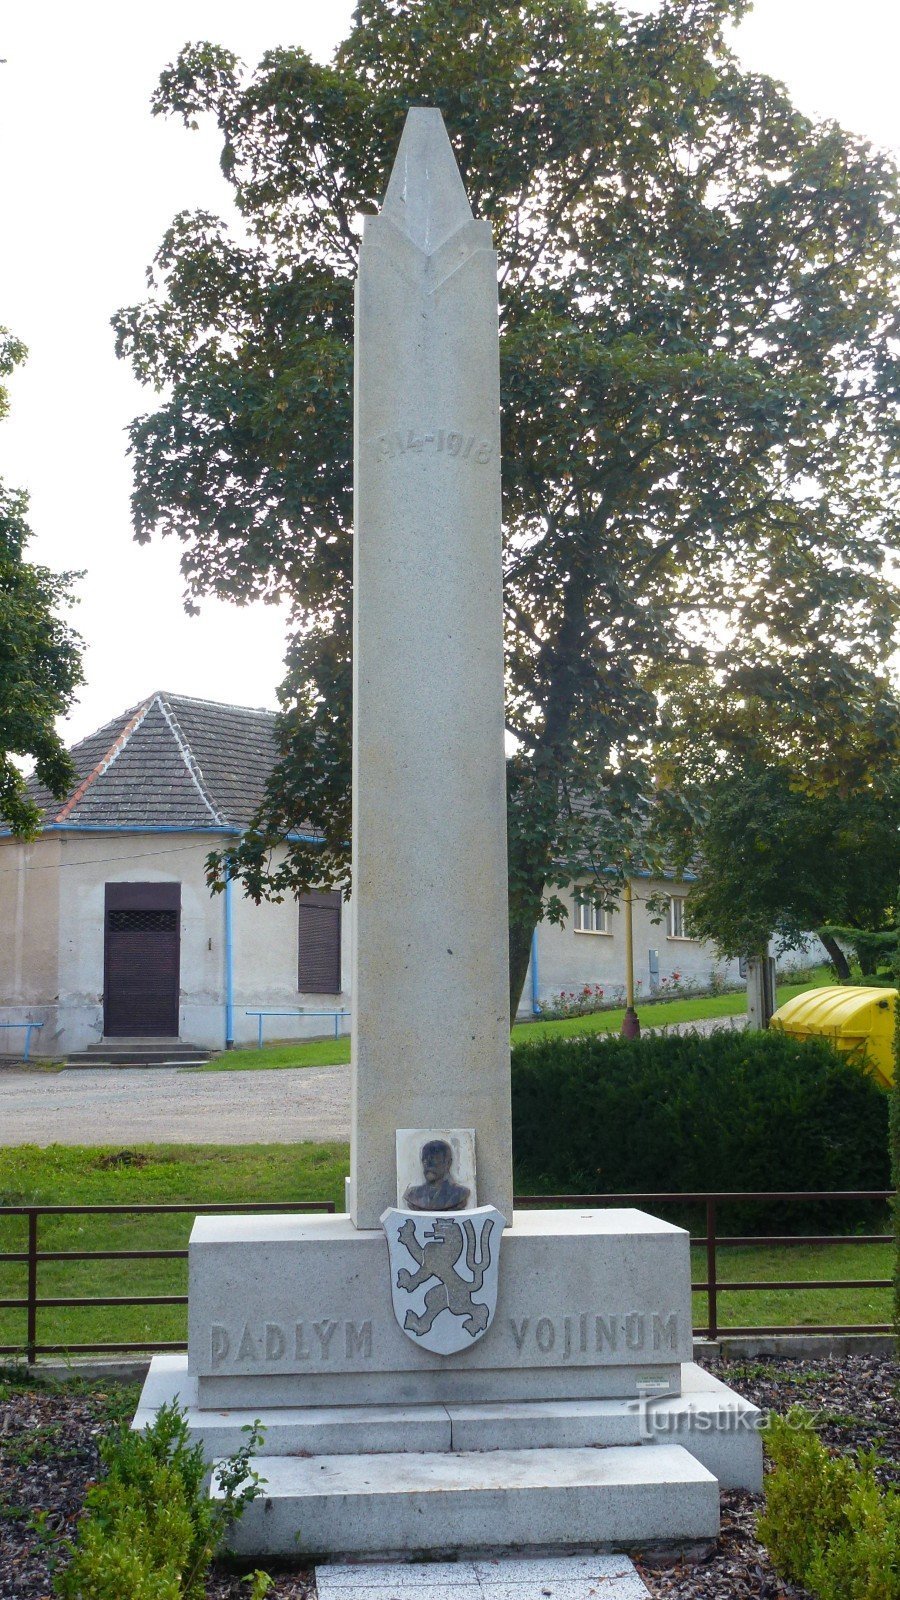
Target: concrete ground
161	1105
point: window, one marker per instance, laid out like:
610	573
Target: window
319	960
676	917
590	918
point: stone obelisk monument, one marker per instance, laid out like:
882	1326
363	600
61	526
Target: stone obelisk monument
432	1374
430	954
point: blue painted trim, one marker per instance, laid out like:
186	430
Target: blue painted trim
535	1003
644	872
108	827
229	965
105	827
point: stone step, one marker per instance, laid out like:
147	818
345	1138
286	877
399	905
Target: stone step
173	1055
459	1502
719	1427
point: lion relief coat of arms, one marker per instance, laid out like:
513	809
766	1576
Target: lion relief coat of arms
444	1274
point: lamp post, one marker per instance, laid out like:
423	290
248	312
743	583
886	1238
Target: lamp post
631	1027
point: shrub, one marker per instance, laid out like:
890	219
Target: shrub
811	972
683	1112
151	1530
827	1523
895	1146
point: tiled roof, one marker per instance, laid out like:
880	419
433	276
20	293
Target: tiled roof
168	762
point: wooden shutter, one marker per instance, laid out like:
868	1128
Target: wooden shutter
319	965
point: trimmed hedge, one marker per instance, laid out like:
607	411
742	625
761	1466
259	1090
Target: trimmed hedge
685	1112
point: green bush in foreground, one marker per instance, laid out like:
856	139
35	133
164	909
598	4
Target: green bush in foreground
683	1112
895	1140
827	1523
151	1530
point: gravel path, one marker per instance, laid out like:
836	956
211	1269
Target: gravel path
48	1457
701	1025
149	1105
159	1105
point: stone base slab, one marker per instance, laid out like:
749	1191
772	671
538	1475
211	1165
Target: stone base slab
296	1311
717	1426
483	1500
452	1386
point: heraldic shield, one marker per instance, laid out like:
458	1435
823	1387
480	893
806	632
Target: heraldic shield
445	1268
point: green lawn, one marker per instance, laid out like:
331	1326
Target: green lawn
742	1308
193	1174
660	1014
284	1053
72	1175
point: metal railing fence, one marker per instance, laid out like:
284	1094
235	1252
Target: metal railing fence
337	1016
28	1028
711	1241
32	1256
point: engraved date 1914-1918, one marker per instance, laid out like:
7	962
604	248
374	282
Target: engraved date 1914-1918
442	441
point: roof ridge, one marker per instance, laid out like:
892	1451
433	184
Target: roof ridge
188	757
106	760
224	705
127	714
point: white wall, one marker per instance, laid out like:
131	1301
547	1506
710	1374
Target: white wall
266	950
568	959
29	942
51	945
52	898
811	953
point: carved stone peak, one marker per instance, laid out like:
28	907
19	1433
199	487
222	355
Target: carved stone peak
425	198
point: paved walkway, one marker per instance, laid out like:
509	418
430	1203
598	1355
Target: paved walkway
160	1105
575	1577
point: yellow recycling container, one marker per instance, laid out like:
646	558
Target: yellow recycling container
858	1022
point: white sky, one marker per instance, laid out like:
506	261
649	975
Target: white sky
90	182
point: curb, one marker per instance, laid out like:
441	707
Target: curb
77	1371
794	1346
744	1347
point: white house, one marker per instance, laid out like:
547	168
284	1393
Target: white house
108	930
589	948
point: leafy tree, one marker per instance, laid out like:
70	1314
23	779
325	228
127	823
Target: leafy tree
874	949
780	780
698	302
778	860
40	661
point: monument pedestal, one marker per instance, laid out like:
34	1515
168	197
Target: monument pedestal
581	1402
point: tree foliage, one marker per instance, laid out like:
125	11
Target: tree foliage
784	793
777	860
698	370
40	661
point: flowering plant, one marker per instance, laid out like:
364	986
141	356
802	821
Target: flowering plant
575	1002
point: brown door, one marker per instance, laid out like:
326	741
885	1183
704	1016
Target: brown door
141	965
